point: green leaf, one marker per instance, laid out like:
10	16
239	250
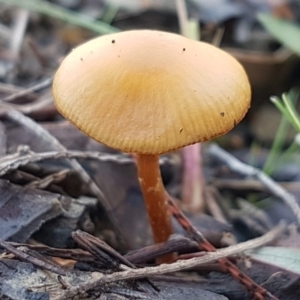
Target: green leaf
282	257
286	32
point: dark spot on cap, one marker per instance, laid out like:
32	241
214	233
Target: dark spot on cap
81	58
181	129
183	49
222	114
234	122
113	41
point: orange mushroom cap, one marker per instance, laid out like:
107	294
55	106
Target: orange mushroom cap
150	92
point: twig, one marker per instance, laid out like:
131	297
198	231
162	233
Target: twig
237	166
107	255
211	195
100	250
10	88
75	254
41	85
176	243
18	32
30	108
256	290
39	263
25	156
45	182
15	43
249	184
218	36
255	213
140	256
182	17
174	267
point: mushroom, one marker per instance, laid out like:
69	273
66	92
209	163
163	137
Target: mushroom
150	92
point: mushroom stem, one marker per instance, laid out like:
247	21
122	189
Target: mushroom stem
154	196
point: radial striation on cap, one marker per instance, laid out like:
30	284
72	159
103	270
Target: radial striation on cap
150	92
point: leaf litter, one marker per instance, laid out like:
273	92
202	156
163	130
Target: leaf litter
55	181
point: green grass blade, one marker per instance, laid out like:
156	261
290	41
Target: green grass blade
58	12
294	116
280	106
286	105
277	146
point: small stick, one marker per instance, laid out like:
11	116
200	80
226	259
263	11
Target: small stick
75	254
251	185
21	18
237	166
258	292
182	17
36	262
18	32
140	256
100	250
41	85
50	179
100	279
175	243
29	108
25	156
9	88
212	206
